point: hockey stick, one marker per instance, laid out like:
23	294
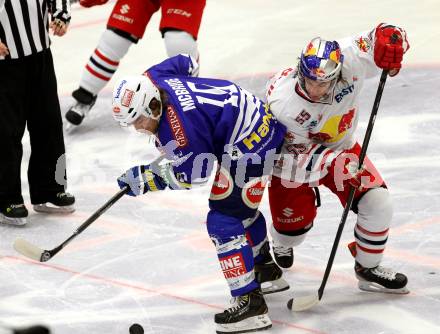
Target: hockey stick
28	330
306	302
36	253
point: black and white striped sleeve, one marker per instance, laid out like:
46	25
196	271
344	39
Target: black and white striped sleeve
24	27
61	10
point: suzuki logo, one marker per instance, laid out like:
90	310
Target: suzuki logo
287	212
124	9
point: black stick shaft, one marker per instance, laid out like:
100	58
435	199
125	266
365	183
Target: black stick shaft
350	198
90	220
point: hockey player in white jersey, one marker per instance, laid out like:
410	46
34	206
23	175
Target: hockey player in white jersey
318	102
179	26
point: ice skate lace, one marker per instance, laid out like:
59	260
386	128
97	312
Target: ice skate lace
282	251
386	273
238	302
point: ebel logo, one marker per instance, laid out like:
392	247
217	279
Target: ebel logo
124	9
288	212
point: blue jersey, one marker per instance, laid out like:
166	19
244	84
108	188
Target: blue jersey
206	118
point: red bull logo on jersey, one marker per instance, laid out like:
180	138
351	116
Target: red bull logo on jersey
346	121
363	44
261	132
335	128
233	265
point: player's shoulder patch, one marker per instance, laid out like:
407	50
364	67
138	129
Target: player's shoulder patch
363	44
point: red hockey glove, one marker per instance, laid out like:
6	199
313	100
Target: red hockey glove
389	46
91	3
359	178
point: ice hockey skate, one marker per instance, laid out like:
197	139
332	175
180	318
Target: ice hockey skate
283	256
60	203
248	313
84	101
14	214
268	274
381	279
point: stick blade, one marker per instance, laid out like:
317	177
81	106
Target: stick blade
303	303
29	250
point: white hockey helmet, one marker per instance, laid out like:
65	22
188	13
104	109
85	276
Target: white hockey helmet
131	98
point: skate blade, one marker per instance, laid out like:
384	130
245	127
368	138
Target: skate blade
274	286
12	221
69	127
374	287
252	324
50	208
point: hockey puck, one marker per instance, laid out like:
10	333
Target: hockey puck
136	329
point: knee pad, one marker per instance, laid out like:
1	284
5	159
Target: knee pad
233	251
180	42
375	211
104	61
287	240
113	46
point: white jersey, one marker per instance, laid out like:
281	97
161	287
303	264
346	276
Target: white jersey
318	131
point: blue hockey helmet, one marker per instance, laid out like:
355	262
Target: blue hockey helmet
321	60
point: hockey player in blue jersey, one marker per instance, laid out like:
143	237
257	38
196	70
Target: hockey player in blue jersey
197	121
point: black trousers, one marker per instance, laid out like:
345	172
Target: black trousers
28	96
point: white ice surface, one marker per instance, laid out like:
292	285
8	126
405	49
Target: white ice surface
149	259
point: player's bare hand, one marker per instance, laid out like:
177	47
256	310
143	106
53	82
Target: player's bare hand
3	50
58	27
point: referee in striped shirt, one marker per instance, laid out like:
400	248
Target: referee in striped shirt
28	96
